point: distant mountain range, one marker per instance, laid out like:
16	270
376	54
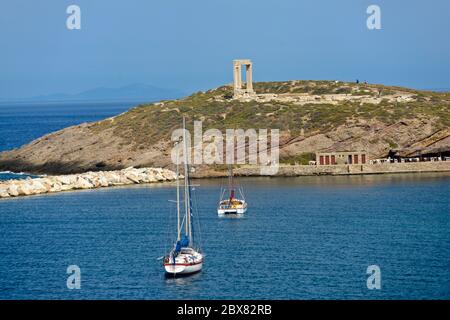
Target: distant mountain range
135	92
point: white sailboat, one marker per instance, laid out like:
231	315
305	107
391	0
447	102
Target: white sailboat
185	258
231	205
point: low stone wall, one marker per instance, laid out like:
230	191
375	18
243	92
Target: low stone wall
88	180
427	166
311	170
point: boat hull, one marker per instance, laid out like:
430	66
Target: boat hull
231	211
236	209
183	269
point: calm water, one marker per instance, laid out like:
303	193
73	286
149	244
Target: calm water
302	238
22	123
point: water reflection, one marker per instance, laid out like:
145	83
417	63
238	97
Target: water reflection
182	280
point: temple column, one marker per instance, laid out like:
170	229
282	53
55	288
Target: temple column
248	78
237	76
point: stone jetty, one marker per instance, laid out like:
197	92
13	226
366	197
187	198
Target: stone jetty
88	180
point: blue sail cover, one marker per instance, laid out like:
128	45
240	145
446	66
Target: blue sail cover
183	243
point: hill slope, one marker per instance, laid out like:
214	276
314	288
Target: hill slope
311	115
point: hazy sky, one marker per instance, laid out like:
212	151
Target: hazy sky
189	45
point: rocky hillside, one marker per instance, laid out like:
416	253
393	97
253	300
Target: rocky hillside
311	115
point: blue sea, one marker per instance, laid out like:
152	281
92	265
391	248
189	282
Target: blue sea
21	123
302	238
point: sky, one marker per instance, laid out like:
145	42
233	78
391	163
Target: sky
190	45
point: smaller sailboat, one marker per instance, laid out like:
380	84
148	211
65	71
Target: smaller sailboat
185	258
231	205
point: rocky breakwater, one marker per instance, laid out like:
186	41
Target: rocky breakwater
88	180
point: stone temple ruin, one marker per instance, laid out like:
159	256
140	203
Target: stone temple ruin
243	91
239	90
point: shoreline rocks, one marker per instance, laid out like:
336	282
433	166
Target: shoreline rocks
87	180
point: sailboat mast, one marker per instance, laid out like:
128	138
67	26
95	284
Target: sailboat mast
230	181
178	197
187	200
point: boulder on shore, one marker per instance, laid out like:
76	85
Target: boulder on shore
88	180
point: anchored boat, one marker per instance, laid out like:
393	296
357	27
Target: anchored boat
231	204
185	258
